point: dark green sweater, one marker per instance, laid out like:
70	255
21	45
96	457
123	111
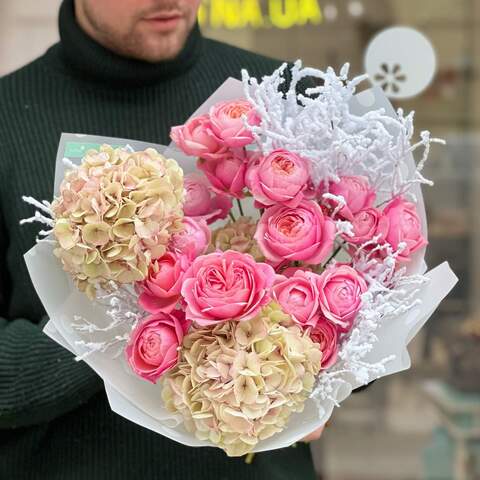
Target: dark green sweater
55	422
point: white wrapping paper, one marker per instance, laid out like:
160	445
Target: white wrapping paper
139	400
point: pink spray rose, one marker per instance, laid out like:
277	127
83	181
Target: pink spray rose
302	233
227	123
193	240
226	286
368	223
404	226
153	345
201	202
226	176
298	296
161	289
341	288
279	177
356	192
325	334
197	139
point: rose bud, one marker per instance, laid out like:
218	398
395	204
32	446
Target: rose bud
193	240
325	334
226	176
201	202
196	138
404	227
153	345
366	225
341	288
302	233
227	122
356	192
298	296
279	177
161	289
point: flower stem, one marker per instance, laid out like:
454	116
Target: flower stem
249	458
239	203
333	255
232	216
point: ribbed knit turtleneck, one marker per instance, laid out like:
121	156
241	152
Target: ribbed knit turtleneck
55	421
87	58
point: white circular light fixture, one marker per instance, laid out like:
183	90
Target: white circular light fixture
400	60
356	8
330	12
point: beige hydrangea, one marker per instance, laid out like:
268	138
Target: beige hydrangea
238	382
115	213
238	236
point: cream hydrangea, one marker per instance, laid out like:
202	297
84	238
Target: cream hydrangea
238	236
238	382
115	213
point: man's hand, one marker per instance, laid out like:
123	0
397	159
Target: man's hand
315	435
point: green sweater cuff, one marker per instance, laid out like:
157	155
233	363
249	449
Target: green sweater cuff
39	379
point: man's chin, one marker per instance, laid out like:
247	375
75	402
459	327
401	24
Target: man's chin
167	48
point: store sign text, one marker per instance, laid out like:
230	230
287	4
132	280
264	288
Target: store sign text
235	14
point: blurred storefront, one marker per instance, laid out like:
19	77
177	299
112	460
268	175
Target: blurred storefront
393	430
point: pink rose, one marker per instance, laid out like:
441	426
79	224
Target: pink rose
298	296
404	226
227	122
161	289
279	177
153	345
197	139
193	240
368	223
325	334
341	288
302	233
201	202
356	192
226	176
226	286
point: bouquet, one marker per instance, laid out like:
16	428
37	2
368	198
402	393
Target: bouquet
234	287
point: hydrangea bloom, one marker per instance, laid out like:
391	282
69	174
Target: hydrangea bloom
115	214
238	382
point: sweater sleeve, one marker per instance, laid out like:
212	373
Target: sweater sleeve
39	380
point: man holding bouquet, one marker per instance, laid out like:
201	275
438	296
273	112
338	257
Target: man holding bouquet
123	68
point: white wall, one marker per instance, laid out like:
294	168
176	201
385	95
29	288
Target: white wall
27	29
